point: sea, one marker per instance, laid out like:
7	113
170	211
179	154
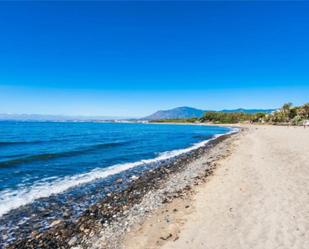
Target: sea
67	162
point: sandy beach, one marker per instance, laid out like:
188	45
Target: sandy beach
257	197
242	190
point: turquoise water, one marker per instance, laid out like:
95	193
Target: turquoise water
39	159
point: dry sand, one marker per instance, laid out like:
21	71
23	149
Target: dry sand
258	197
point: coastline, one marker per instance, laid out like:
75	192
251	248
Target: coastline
239	190
107	221
177	184
257	198
58	187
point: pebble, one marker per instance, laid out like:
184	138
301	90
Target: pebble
134	178
119	180
166	237
54	223
72	241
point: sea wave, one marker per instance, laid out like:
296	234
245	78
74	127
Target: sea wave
48	156
12	199
7	143
12	143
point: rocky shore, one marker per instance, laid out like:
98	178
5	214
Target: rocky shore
104	223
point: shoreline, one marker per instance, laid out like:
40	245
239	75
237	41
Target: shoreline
69	182
257	198
116	206
177	184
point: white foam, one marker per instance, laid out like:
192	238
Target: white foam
13	199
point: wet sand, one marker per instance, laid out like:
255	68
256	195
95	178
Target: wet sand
258	197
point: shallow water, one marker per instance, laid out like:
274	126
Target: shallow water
41	158
48	168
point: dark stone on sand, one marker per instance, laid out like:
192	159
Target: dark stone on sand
65	232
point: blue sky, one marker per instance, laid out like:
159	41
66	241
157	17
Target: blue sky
132	58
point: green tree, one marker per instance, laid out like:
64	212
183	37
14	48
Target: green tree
305	109
285	112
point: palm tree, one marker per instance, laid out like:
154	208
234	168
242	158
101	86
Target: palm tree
286	109
305	109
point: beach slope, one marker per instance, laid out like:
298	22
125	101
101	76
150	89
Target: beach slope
258	197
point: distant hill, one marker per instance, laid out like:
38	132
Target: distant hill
189	112
179	112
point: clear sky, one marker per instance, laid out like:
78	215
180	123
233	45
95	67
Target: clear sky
133	58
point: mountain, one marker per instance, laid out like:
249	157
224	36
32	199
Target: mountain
189	112
179	112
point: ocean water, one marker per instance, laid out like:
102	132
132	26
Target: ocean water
43	159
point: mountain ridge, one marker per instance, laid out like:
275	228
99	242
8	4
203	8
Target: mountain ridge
190	112
176	113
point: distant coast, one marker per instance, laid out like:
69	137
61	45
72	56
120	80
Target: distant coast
286	115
